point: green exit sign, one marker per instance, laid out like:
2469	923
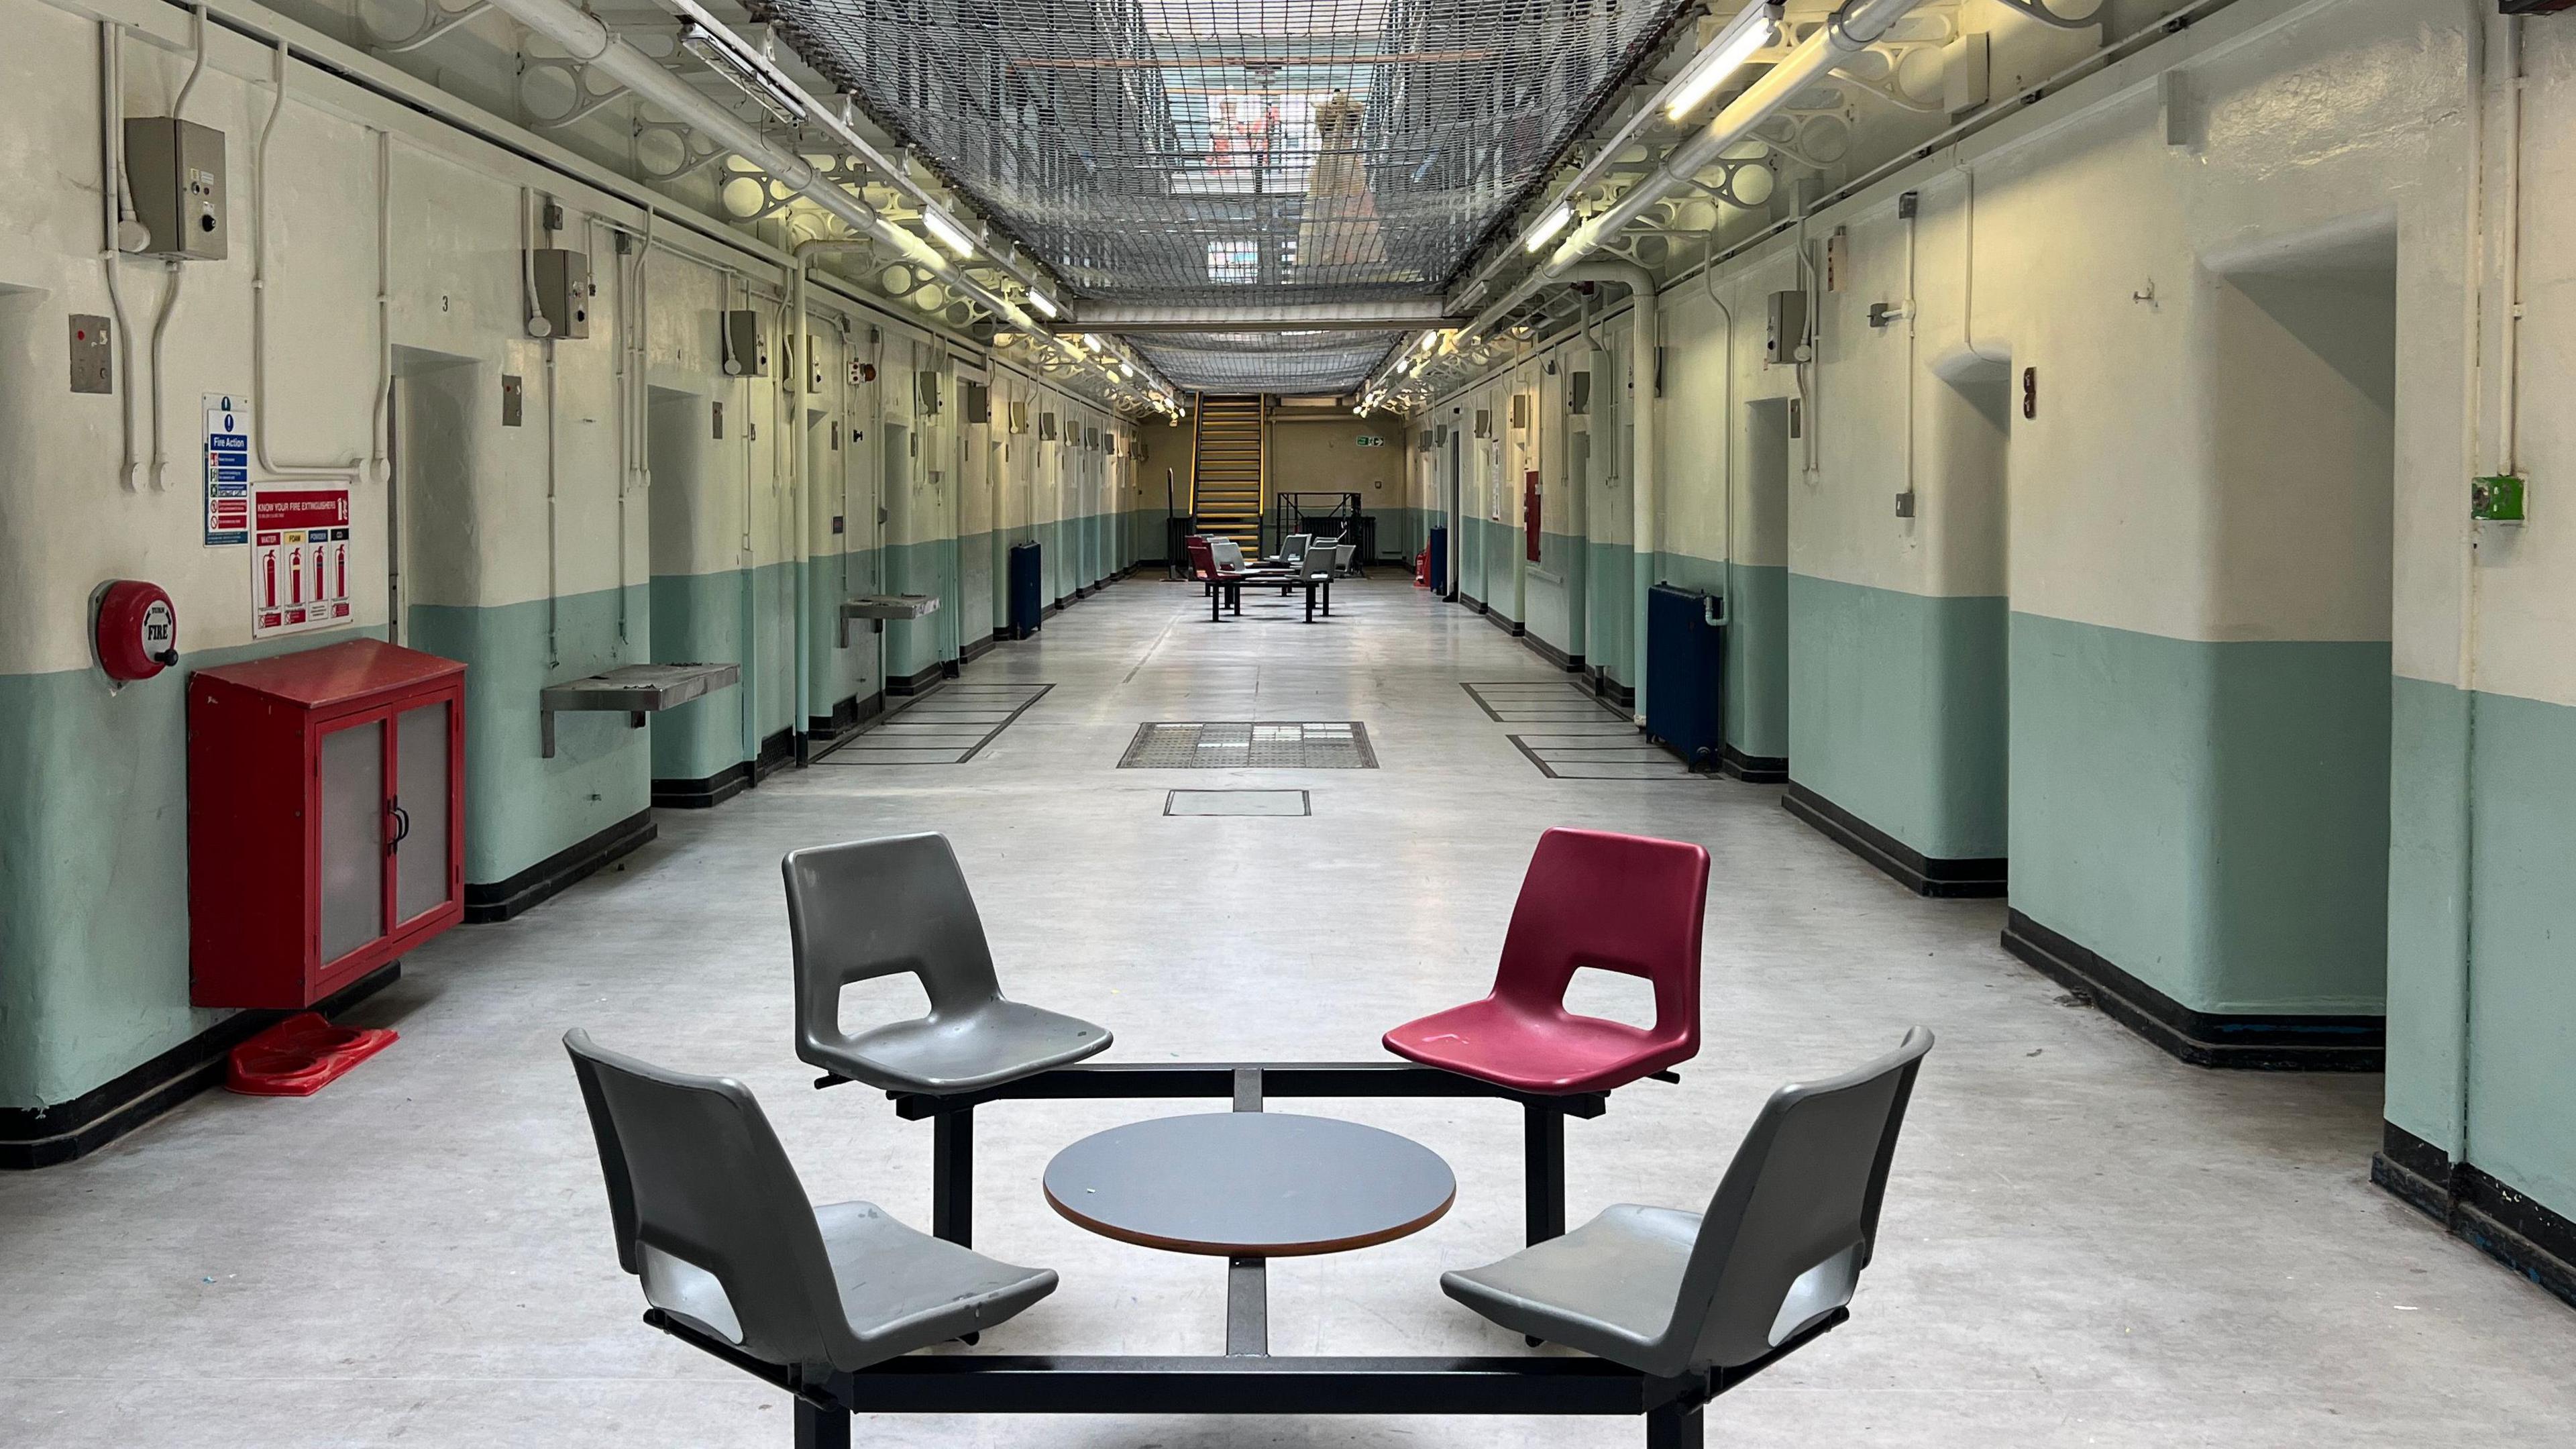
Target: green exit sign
1370	440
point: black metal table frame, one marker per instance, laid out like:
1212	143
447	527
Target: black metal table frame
1246	1378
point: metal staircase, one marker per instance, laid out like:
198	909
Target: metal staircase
1231	455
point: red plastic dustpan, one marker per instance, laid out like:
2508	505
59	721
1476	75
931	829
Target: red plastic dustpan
301	1055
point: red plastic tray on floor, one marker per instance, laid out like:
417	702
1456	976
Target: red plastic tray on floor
301	1055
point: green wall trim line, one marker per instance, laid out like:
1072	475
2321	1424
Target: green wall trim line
94	873
1896	712
2483	854
521	807
2214	817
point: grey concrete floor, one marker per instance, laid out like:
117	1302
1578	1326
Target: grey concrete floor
2085	1241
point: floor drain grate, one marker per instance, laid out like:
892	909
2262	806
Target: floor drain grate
1237	802
948	726
1540	701
1250	745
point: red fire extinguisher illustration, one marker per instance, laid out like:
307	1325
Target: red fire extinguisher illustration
295	576
268	577
340	570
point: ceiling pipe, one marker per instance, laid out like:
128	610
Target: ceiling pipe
589	43
1851	30
1644	332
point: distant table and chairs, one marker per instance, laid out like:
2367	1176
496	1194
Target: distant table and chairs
1666	1308
1218	565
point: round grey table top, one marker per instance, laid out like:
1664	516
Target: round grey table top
1250	1184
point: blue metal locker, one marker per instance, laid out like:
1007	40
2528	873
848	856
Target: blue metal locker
1028	596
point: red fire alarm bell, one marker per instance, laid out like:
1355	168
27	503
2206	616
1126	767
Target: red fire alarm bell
138	630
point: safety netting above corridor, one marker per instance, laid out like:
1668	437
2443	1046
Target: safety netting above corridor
1211	151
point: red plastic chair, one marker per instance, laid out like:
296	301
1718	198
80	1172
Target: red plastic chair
1223	586
1624	903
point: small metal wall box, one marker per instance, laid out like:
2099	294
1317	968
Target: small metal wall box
563	291
513	400
175	169
746	346
1786	340
2497	499
92	371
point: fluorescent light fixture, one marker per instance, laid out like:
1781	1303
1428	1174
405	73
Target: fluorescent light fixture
726	55
1045	305
1749	31
949	233
1558	218
1430	340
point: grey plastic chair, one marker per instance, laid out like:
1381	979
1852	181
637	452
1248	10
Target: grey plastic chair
1346	559
875	908
709	1213
1781	1247
1295	547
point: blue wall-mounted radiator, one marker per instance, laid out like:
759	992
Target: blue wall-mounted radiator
1685	673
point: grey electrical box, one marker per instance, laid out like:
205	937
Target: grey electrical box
1578	394
1484	422
91	369
563	290
746	346
978	403
1046	427
1520	411
1787	339
514	404
176	170
926	385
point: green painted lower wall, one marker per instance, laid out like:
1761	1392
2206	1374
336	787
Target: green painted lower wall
2210	817
833	673
94	873
2519	830
702	619
1896	712
521	807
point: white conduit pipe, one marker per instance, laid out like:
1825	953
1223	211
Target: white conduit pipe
1643	331
111	156
1851	30
161	329
261	410
1848	33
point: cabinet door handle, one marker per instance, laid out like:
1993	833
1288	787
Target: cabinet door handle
402	827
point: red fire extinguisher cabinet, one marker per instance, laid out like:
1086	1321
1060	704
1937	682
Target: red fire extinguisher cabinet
326	819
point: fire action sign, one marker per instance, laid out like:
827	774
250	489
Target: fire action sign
299	558
227	468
